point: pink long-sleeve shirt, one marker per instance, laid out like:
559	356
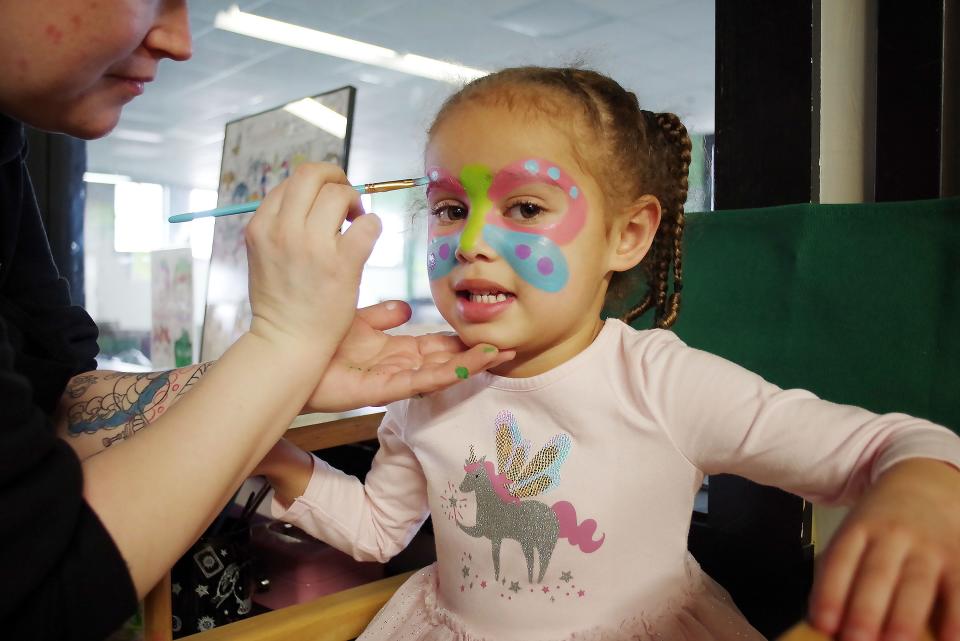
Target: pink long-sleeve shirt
561	503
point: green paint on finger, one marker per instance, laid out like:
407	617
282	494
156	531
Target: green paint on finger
489	350
463	373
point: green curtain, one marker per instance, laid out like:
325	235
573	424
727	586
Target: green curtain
858	303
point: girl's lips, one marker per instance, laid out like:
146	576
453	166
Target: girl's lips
480	300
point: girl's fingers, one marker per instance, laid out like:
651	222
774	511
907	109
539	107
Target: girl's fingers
873	587
913	600
836	574
949	625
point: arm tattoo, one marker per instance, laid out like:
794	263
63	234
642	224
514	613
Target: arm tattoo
131	403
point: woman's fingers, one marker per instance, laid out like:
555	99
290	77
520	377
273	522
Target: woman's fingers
442	373
303	189
386	315
356	244
836	573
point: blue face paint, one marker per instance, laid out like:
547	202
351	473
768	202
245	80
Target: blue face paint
535	258
442	255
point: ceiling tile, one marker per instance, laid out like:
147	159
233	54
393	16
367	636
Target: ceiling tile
552	18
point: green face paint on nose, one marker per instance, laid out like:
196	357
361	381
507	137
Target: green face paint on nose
476	180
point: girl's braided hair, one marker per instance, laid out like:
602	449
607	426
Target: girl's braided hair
639	152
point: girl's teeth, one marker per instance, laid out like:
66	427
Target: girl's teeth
488	298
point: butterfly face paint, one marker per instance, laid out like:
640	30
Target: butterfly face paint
533	252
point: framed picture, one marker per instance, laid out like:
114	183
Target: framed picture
259	152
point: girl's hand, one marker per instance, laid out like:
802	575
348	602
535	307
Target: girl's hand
895	556
375	368
305	274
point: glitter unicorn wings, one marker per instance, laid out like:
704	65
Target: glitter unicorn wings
541	473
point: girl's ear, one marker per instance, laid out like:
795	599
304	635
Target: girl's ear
633	232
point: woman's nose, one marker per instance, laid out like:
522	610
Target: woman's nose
170	35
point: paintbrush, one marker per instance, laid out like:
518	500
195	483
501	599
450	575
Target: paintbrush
243	208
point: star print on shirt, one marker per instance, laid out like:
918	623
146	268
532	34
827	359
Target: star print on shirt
514	586
465	571
566	576
176	588
202	590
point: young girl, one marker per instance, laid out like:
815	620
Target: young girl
561	485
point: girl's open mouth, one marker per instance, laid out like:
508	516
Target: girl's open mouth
481	301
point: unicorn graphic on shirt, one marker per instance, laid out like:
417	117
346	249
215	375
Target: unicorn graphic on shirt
501	512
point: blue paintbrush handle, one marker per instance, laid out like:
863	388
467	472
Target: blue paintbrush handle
243	208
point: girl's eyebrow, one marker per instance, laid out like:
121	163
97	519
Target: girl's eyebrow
506	180
447	184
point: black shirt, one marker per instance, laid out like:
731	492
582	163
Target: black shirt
61	575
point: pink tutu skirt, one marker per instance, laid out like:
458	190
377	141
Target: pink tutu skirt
705	613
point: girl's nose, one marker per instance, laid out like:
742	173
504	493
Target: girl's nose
478	250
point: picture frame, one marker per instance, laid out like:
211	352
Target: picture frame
259	152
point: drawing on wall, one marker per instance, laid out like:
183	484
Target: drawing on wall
259	152
171	293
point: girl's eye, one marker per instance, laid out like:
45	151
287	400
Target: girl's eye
524	211
448	213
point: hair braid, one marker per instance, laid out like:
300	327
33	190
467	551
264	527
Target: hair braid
676	136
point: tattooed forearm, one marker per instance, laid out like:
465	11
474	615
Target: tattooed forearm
125	402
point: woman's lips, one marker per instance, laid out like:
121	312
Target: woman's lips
134	85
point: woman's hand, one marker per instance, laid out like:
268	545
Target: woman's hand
372	367
305	274
895	557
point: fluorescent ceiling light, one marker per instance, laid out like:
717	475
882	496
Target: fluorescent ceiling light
292	35
105	179
320	116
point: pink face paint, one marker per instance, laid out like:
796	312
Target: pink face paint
533	251
538	171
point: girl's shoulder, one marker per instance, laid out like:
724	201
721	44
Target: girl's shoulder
643	340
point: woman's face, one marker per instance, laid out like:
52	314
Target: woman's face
71	65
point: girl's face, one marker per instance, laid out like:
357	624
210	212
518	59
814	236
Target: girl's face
518	251
71	65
